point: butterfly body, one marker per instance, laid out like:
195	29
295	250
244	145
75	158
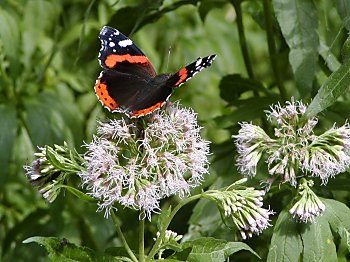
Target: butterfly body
129	83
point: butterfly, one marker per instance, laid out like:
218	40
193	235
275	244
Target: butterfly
128	83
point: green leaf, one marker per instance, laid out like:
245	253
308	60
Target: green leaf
286	243
21	227
330	59
163	218
343	7
232	86
208	249
298	22
338	215
8	132
81	195
336	85
207	5
10	39
49	122
38	16
62	250
131	18
318	242
345	51
245	111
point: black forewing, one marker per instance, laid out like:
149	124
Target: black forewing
127	56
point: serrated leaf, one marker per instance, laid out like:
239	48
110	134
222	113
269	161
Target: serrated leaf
336	85
343	8
298	22
8	132
286	243
208	249
318	242
62	250
81	195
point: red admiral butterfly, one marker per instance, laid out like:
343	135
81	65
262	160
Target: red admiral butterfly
129	83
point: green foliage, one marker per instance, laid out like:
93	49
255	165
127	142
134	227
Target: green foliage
268	51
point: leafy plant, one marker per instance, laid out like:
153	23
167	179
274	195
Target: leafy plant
270	54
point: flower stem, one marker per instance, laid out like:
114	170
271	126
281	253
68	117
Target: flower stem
157	244
121	236
272	48
142	240
242	40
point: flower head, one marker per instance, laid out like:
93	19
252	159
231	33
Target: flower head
50	169
136	164
295	150
243	207
307	205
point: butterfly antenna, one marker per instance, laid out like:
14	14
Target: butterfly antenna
167	64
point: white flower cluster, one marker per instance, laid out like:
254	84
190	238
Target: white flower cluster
295	148
244	207
307	205
136	164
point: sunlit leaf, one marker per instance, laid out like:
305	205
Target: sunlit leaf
63	250
286	243
298	21
318	242
208	249
336	85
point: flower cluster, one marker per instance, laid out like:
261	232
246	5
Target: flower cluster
295	147
243	206
137	163
50	169
307	205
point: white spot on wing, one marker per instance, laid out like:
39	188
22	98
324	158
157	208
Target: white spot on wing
199	61
125	43
111	44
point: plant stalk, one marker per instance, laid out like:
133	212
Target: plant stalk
157	244
121	236
142	240
272	48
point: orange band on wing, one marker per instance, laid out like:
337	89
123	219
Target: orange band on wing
182	74
113	59
146	111
102	94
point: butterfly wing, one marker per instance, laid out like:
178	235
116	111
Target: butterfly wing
120	54
186	73
141	96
